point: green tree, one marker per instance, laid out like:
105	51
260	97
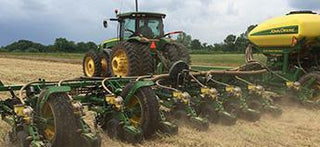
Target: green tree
204	45
81	47
218	46
51	48
91	46
84	47
184	39
32	50
2	49
63	45
229	43
195	44
23	45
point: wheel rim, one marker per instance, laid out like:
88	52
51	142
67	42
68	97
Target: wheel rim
104	65
120	63
49	125
134	106
89	66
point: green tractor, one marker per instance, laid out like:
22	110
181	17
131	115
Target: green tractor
141	48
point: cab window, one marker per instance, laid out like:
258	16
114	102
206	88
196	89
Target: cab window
128	27
150	27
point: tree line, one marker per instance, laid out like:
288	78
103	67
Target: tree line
231	44
60	45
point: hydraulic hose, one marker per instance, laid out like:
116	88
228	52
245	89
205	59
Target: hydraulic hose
165	87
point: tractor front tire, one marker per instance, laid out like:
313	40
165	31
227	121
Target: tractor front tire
91	64
105	63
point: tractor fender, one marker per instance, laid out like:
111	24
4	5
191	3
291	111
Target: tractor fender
164	41
45	94
138	39
136	86
108	43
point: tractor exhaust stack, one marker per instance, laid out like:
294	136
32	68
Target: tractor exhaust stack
137	6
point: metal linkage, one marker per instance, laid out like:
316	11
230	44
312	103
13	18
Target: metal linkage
259	99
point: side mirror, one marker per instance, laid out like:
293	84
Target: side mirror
105	23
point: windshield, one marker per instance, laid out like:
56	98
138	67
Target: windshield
151	27
129	27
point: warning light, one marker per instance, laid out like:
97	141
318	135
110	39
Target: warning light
153	45
294	41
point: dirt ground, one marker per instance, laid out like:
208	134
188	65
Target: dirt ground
296	127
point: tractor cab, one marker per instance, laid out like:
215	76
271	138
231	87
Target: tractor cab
140	48
142	24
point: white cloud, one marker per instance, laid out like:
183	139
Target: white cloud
212	21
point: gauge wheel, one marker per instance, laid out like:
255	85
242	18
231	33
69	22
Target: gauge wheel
60	126
142	109
314	85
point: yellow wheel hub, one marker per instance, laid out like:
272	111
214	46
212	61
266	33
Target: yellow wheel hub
89	66
120	64
49	129
135	107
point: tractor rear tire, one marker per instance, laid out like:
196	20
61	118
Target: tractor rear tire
175	52
171	53
125	60
146	59
105	63
183	52
149	108
64	130
91	64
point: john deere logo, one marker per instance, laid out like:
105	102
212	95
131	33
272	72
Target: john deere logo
283	30
278	31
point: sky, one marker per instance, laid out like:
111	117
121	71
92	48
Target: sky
81	20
